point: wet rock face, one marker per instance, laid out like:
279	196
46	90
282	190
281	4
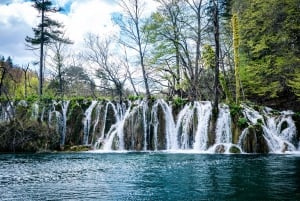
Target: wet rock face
134	131
254	142
161	137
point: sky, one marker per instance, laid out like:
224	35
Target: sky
18	17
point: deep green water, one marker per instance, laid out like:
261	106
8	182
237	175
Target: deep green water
149	176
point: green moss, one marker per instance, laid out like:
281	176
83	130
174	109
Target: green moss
134	97
235	110
179	102
234	150
242	122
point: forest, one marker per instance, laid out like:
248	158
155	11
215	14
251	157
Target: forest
223	51
218	50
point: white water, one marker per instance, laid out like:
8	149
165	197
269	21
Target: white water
279	140
171	135
145	111
117	128
187	130
204	110
7	112
87	121
98	110
223	128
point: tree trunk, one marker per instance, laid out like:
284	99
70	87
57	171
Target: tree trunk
41	55
236	57
217	58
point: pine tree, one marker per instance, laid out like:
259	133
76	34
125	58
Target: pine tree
45	33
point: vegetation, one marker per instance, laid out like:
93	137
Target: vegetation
216	50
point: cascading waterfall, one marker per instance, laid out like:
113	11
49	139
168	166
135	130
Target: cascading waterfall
35	111
223	129
204	110
279	139
7	112
98	109
184	122
144	125
87	122
155	124
117	128
145	111
171	135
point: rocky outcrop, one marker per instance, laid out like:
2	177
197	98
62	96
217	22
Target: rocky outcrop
254	141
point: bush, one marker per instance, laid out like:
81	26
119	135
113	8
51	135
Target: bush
29	136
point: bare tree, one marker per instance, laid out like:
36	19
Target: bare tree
134	36
25	70
109	68
58	50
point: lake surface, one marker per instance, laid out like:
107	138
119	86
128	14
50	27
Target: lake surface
149	176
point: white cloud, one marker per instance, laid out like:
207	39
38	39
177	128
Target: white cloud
16	20
82	16
89	16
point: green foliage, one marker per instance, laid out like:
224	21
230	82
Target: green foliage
31	99
269	48
242	122
134	97
179	102
235	110
209	57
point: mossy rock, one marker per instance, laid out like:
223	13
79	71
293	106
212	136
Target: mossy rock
234	150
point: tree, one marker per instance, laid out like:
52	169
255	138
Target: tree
235	34
58	50
109	68
134	37
25	70
179	30
270	46
165	27
78	82
45	33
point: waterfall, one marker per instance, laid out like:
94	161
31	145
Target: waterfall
155	124
223	128
35	111
204	110
98	110
65	106
278	139
117	128
7	112
183	125
171	135
145	124
87	122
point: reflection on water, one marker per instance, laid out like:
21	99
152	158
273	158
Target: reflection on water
149	176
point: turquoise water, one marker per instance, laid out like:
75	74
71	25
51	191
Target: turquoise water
149	176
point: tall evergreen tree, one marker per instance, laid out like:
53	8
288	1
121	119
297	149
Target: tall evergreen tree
270	47
47	31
